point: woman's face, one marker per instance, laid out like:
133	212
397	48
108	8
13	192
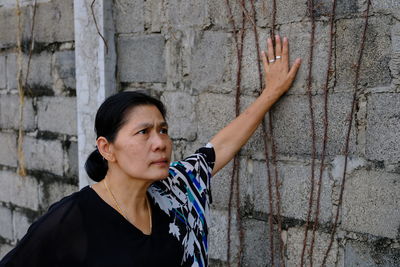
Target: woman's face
142	147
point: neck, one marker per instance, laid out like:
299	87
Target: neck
129	192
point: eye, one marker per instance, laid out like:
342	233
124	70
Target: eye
144	131
164	130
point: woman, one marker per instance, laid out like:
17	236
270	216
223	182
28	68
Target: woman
134	215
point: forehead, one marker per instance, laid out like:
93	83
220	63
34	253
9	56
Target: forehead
144	114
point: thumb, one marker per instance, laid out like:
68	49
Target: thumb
293	70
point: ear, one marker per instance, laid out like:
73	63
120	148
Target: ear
104	148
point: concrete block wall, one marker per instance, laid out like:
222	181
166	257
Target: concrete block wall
183	52
49	115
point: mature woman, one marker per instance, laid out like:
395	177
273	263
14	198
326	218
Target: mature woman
145	211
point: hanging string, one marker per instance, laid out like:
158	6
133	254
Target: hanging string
326	124
350	120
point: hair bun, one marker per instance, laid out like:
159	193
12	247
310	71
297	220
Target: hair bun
95	166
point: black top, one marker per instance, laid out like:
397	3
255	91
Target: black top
83	230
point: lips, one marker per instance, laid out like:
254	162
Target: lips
160	162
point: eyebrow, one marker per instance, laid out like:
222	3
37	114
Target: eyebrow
150	125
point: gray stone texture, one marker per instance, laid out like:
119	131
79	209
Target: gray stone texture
187	13
21	224
295	245
9	112
372	197
363	254
9	29
64	70
129	16
46	155
181	115
57	114
54	21
4	249
39	75
374	69
53	192
72	163
143	58
299	42
3	73
21	191
395	58
8	151
209	61
6	224
383	124
292	124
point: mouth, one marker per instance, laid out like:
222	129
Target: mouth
161	162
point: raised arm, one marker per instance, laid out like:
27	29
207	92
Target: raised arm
278	79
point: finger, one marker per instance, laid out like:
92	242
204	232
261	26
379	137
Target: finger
278	46
293	70
264	60
270	46
285	50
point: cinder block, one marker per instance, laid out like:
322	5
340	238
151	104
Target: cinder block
383	123
44	155
374	69
9	29
21	191
363	254
143	59
181	115
394	63
4	249
64	69
384	6
343	7
214	111
8	151
57	114
295	189
295	246
39	71
6	225
299	45
157	15
3	73
54	192
129	16
73	166
292	124
9	112
257	250
218	235
210	62
370	203
187	13
54	21
21	224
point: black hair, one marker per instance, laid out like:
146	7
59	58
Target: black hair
110	117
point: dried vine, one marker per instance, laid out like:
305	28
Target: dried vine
326	125
97	26
21	157
310	4
350	119
235	170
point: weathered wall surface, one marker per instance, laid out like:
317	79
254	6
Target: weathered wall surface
49	121
183	52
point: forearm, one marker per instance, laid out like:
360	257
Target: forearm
230	139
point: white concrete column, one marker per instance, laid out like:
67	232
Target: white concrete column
95	71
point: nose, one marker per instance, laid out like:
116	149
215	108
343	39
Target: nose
159	142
